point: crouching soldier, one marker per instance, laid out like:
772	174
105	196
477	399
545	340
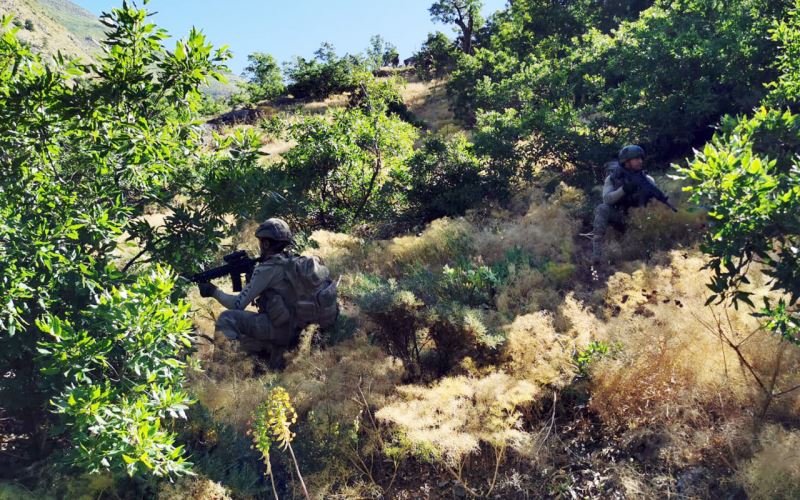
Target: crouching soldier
290	291
625	186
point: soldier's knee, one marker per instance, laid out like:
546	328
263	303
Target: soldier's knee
226	318
228	324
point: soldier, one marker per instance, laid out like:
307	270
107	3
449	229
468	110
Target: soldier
620	193
287	291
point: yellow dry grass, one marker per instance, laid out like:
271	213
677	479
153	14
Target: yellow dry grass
673	375
428	101
451	419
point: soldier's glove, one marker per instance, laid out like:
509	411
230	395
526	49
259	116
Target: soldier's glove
630	187
207	289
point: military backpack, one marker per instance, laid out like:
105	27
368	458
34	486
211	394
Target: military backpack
315	291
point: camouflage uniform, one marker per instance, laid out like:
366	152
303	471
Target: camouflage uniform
274	327
613	209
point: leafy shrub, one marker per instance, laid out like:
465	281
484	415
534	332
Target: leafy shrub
380	53
264	79
577	101
145	354
446	178
436	58
82	160
425	319
786	89
347	167
748	178
211	106
596	349
322	76
398	313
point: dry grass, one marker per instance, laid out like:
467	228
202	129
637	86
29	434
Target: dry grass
196	488
428	101
322	107
339	251
451	419
329	380
545	230
539	354
442	242
673	378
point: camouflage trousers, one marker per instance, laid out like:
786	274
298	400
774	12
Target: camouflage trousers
604	215
255	333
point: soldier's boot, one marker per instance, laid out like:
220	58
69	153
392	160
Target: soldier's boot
276	361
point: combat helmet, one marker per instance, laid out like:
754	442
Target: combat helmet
630	152
274	229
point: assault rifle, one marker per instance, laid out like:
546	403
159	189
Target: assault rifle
236	264
646	190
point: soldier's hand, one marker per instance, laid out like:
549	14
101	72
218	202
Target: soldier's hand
207	289
630	187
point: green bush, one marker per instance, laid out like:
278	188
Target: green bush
86	150
264	77
748	177
380	53
660	80
121	368
348	166
322	76
436	58
445	178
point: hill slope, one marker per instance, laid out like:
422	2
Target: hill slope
51	26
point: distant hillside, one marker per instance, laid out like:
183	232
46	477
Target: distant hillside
51	26
79	21
60	25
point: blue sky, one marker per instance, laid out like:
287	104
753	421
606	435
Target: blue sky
287	29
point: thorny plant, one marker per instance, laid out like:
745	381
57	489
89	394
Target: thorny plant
767	384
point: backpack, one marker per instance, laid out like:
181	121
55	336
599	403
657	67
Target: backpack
315	291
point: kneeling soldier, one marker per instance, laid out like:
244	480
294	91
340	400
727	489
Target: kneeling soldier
291	292
625	186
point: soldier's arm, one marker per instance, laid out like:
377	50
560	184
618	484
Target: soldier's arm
610	195
263	276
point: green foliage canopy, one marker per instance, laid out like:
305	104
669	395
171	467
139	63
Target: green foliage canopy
749	178
84	150
322	76
436	58
559	87
264	78
349	166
